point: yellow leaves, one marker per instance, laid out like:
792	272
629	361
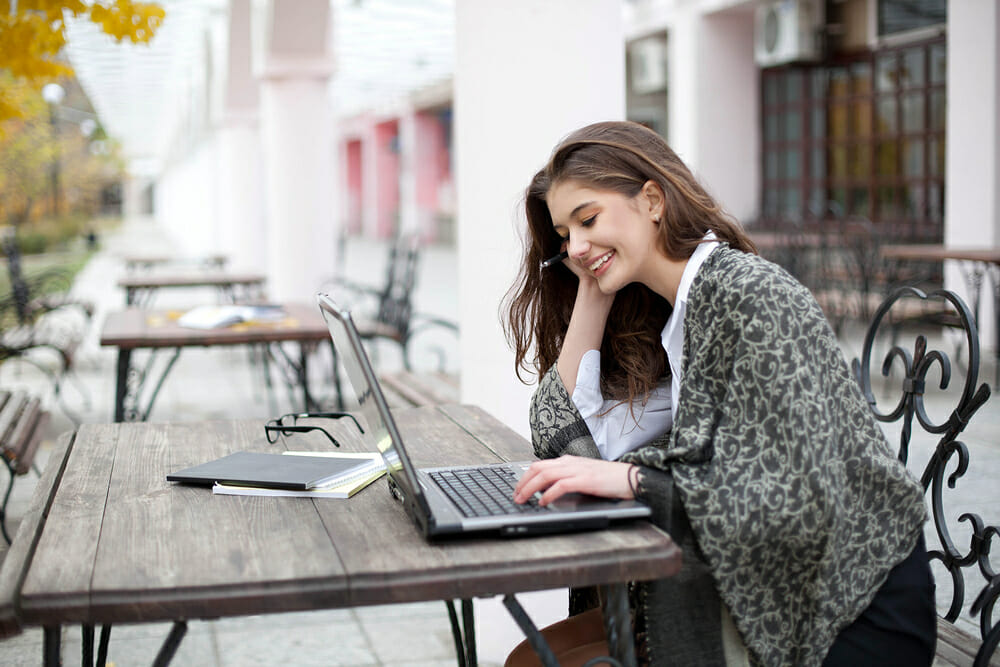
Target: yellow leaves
122	19
33	32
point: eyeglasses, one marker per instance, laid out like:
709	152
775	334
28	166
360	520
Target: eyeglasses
286	424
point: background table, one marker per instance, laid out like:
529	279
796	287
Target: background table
136	328
108	540
233	287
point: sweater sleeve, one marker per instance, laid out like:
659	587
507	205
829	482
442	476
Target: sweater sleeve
556	425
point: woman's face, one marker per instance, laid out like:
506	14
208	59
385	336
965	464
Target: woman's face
609	236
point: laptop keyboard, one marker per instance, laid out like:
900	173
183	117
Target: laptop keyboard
483	491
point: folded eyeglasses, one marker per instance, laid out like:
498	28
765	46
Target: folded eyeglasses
286	424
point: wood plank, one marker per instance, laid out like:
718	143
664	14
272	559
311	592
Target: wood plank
200	279
193	568
19	557
54	581
490	432
395	563
137	328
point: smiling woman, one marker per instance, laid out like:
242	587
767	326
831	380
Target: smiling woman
678	367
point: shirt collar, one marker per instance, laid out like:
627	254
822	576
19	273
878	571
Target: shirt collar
697	258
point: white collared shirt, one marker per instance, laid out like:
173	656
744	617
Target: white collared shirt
614	428
672	336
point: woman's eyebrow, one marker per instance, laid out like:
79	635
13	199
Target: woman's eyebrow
580	208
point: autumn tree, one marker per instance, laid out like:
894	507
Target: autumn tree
33	33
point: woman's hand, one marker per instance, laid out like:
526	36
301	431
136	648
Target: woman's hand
566	474
586	324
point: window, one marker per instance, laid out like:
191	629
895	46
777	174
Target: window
902	15
862	136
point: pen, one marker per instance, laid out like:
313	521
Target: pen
553	260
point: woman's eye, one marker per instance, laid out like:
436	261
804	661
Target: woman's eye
589	221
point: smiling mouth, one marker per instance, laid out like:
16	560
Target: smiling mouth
601	261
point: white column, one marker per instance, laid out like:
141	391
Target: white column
299	174
711	73
297	139
972	161
409	221
242	229
527	73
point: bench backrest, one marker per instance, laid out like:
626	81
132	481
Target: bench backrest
18	285
395	306
906	376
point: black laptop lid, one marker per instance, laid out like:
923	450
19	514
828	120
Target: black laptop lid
371	400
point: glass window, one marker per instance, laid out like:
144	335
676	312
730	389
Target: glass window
864	136
887	73
937	111
912	73
913	112
902	15
939	70
886	116
913	157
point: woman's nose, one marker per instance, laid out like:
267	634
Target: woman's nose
578	246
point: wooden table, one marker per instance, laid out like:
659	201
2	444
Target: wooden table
107	540
144	262
139	289
135	328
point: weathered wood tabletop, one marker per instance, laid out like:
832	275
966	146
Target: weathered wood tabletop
138	328
135	328
140	287
108	540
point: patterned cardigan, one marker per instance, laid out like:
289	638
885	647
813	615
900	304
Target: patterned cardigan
797	506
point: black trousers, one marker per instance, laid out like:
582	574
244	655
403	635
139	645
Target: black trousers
899	627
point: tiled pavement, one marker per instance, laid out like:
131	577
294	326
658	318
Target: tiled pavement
217	384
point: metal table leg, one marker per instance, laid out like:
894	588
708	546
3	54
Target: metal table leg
463	633
50	649
121	386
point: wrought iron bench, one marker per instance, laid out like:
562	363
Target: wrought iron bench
906	377
386	312
22	423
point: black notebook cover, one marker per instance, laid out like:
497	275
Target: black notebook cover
273	471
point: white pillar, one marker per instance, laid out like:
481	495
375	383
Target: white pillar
711	73
409	221
297	138
527	73
242	229
299	173
972	161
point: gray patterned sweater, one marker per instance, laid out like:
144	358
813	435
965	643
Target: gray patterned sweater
797	505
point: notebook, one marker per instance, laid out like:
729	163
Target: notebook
274	471
429	494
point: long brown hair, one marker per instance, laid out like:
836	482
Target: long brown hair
619	157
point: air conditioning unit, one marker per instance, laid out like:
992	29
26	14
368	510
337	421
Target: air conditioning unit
648	66
787	31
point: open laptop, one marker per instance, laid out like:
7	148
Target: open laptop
435	497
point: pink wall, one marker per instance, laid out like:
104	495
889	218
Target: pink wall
352	177
386	178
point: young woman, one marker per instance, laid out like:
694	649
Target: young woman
678	367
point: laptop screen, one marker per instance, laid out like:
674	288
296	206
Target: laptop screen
381	428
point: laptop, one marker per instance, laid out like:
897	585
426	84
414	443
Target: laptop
439	499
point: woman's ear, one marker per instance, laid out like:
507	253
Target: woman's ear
654	196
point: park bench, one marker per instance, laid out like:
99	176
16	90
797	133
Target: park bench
906	377
22	423
386	312
39	316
